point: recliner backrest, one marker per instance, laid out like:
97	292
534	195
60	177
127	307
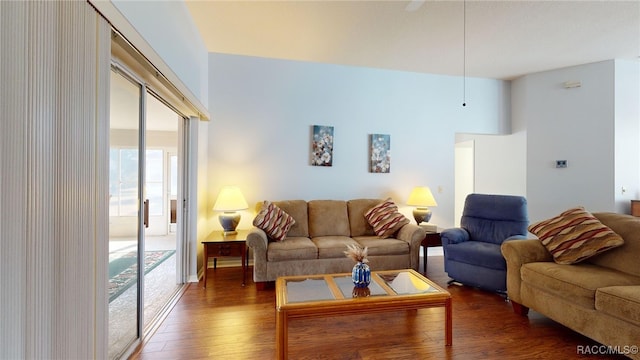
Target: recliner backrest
494	218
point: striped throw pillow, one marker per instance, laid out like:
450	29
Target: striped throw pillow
274	221
575	235
385	218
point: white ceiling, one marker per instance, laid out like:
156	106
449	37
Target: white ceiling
504	39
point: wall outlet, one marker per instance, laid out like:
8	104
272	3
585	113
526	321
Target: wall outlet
560	164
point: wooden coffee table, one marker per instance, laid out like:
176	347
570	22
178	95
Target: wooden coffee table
309	296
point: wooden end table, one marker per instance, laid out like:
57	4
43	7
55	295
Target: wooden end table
219	245
431	239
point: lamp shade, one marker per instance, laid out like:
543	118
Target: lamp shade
421	196
230	198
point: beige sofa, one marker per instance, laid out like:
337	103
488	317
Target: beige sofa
599	297
315	244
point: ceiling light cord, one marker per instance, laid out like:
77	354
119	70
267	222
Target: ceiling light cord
464	53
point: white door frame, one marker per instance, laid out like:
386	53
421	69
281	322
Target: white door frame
464	176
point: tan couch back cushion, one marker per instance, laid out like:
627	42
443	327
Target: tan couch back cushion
328	217
358	224
298	210
625	257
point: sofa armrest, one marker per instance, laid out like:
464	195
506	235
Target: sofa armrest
257	240
525	251
413	235
257	237
454	236
517	253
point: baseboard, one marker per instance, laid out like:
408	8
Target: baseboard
222	262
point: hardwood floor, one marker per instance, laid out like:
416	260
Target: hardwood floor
228	321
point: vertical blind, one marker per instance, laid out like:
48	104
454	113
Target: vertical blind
54	79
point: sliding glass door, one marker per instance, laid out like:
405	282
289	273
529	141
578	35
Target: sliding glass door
125	209
161	236
144	158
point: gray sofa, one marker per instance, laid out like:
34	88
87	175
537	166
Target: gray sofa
321	233
599	297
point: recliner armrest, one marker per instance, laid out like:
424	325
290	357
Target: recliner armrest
454	236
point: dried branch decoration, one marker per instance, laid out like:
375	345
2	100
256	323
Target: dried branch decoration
356	253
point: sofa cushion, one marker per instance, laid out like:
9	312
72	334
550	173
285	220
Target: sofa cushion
576	282
298	210
377	246
328	217
331	247
622	302
274	221
385	218
292	248
575	235
358	224
478	253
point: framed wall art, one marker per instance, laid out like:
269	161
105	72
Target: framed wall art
322	146
380	153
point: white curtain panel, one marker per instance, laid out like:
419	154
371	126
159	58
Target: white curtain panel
54	80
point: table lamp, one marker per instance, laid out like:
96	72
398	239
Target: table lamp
421	197
230	199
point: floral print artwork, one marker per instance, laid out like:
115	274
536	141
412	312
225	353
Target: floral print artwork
322	146
380	153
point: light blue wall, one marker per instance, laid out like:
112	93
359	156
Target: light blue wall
263	110
168	27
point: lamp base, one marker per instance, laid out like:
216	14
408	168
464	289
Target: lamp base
229	222
421	214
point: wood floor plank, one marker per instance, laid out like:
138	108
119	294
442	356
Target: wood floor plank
229	321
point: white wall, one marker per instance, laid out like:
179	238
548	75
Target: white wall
500	163
263	110
577	125
627	133
168	27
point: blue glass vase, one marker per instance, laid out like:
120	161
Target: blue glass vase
361	275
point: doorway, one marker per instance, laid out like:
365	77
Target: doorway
464	175
144	141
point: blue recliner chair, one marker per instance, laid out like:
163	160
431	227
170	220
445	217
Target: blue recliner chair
472	252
